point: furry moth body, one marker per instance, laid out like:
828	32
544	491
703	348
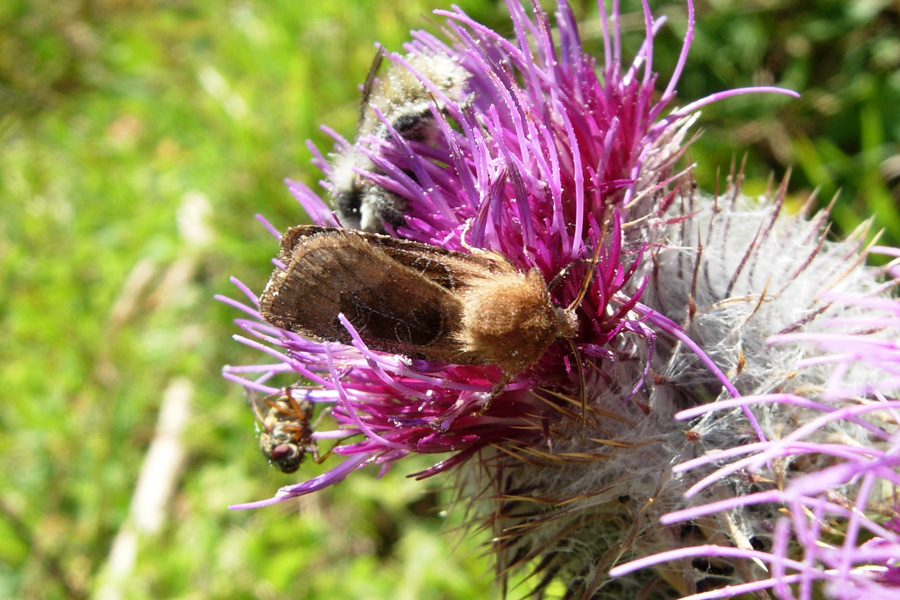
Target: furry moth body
414	299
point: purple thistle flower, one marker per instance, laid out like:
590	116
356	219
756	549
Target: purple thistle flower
534	173
740	371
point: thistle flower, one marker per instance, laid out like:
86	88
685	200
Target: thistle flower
701	393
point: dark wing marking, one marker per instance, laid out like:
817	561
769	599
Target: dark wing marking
392	306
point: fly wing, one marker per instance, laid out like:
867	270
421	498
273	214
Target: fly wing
393	307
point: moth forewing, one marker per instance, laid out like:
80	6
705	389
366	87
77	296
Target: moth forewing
447	268
415	299
393	308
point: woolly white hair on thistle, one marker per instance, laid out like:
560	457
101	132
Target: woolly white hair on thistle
740	371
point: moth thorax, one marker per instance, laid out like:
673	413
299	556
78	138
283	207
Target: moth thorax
509	320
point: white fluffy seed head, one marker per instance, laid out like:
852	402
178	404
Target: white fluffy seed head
731	277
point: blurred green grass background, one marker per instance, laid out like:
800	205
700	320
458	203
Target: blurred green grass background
137	140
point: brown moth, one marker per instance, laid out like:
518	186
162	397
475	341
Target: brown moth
286	435
414	299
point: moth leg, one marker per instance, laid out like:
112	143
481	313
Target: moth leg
582	385
498	387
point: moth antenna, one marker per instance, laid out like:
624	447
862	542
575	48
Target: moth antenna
565	271
590	276
559	276
581	383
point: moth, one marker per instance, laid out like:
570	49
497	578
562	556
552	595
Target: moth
418	300
286	430
404	102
